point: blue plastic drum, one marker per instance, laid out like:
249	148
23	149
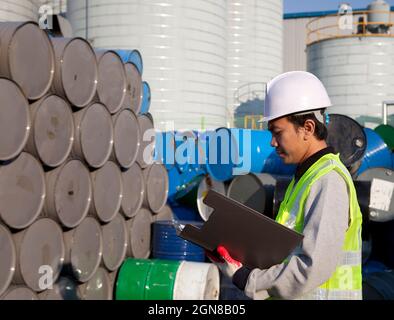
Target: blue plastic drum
133	56
146	97
166	244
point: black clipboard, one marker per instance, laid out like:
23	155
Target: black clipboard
250	237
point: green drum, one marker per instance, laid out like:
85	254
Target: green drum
131	279
141	279
386	132
160	280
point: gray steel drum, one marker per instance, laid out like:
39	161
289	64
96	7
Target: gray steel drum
127	137
133	97
14	119
114	242
146	150
69	193
156	187
93	135
139	234
248	190
65	288
111	87
19	293
22	191
52	131
99	287
40	254
84	247
381	202
133	191
113	277
8	258
164	214
76	71
348	139
107	191
27	57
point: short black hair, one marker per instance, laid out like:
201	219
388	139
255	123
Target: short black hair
298	121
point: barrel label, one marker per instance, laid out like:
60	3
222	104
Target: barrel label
381	193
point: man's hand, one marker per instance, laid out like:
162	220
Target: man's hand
227	265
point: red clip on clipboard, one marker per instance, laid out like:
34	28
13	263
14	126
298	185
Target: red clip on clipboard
250	237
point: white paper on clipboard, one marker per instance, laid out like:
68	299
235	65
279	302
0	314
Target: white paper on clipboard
381	193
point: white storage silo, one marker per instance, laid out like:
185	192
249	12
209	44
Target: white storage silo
254	45
18	10
183	45
357	69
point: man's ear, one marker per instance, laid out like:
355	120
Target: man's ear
309	129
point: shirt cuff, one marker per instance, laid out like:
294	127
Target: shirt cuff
240	277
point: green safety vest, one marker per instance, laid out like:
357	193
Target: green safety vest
346	281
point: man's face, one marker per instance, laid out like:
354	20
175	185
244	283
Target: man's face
287	140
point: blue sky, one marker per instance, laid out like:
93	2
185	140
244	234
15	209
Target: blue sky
293	6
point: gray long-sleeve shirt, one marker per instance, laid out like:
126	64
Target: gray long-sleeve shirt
326	219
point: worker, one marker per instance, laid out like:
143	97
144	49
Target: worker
320	202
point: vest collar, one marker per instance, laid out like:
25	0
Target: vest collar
304	166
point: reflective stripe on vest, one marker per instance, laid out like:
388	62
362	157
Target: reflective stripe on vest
346	281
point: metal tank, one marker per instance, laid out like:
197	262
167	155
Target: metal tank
183	45
354	64
254	48
380	14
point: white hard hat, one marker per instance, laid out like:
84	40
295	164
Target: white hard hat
294	92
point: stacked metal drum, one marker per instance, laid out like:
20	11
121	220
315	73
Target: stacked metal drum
78	190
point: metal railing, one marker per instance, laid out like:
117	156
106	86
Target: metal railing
354	24
252	122
249	91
